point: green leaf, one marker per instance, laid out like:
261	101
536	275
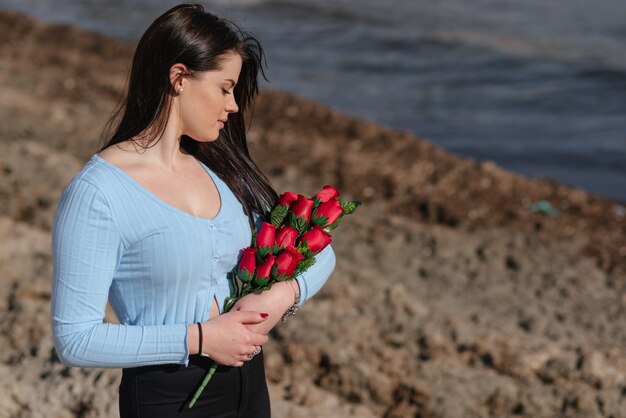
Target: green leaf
277	216
319	220
246	290
264	288
334	224
350	206
305	264
301	225
262	252
244	276
292	221
304	249
229	302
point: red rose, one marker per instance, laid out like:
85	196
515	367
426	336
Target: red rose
266	235
287	198
331	210
287	261
328	192
286	236
302	208
263	271
248	261
316	239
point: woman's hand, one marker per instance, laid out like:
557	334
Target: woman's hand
228	338
275	302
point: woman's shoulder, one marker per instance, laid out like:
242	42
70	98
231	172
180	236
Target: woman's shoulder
96	188
101	168
97	178
94	173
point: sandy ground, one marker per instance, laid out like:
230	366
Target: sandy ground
450	297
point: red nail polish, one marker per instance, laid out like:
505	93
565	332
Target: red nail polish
264	315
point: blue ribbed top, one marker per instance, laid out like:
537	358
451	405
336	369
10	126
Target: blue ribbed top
159	266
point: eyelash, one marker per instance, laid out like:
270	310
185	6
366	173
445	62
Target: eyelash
224	91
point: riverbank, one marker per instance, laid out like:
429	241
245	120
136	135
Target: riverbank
456	293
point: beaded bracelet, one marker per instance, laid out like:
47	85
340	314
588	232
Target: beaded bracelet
296	303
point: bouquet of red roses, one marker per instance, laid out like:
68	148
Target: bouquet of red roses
286	246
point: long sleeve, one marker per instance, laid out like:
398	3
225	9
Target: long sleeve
87	247
312	280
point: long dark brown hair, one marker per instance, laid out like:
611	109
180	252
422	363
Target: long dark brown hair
189	35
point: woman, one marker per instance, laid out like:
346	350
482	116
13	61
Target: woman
155	221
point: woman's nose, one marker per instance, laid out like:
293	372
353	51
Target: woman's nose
232	107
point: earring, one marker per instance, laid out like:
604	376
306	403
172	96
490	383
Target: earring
180	90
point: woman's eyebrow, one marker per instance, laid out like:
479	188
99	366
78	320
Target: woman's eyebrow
231	81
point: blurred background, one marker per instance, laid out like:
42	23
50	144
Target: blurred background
537	86
461	289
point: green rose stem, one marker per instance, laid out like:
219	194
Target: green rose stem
230	302
208	377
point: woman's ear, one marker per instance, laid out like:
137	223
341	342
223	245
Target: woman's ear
177	76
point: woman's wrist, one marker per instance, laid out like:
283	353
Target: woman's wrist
293	308
193	339
296	288
290	291
296	291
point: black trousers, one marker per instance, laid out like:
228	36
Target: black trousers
164	391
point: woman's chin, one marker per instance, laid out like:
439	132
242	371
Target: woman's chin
207	138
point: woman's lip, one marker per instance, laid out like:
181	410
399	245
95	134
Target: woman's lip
221	124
